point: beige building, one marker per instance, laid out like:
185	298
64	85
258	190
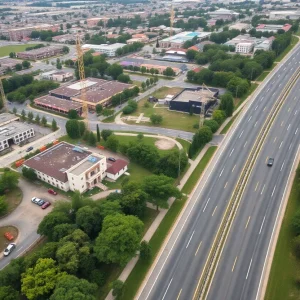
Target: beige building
69	167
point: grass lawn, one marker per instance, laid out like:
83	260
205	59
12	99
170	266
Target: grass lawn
13	199
288	49
192	181
3	241
140	270
185	144
285	267
110	119
137	83
262	76
5	50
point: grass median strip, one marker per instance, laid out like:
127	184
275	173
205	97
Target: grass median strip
285	266
140	270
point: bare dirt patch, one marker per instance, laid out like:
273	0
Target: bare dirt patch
164	144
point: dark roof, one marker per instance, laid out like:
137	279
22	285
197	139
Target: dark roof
57	103
117	166
56	160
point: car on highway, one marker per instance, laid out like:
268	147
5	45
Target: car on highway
9	249
46	204
270	162
111	159
52	192
29	149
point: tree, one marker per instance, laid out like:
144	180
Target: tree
29	173
114	71
26	64
123	78
169	72
70	287
160	188
37	119
133	201
50	221
219	116
92	139
99	109
143	85
227	104
15	110
112	143
145	251
40	281
105	133
296	223
30	117
67	257
44	121
191	54
54	125
147	82
8	293
98	134
12	54
8	181
117	288
23	114
62	230
66	49
72	128
89	220
109	208
72	114
156	119
18	67
3	206
212	124
119	239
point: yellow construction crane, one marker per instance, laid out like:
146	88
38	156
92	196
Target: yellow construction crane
81	72
172	17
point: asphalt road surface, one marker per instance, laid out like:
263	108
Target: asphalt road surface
178	269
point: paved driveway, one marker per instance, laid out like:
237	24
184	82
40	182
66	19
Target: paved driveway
26	217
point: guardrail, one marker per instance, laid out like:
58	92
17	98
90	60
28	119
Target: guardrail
230	212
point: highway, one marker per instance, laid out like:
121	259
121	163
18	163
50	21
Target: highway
178	268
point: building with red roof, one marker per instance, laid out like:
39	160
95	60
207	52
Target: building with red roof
117	169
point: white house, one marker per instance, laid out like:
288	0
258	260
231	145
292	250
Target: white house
117	169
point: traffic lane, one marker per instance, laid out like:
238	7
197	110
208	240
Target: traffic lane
178	277
170	273
248	207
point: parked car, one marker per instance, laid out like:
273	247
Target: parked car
35	200
52	192
112	159
46	204
9	249
41	202
29	149
270	162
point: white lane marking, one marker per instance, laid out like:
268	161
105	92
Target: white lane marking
231	152
256	107
241	134
288	127
280	85
206	205
289	109
295	112
255	124
265	108
262	224
273	191
245	144
280	145
262	190
190	239
284	69
249	268
249	118
19	249
296	131
282	166
167	289
221	172
290	146
262	97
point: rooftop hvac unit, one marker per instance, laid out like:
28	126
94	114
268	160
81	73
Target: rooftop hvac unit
77	149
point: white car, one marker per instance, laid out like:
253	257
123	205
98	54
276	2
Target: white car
9	249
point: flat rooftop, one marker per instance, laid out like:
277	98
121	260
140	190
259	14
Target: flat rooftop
199	96
86	165
6	118
42	50
57	103
12	129
56	160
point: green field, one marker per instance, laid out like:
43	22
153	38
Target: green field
285	268
4	51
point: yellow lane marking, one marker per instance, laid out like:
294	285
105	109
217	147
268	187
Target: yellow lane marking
233	168
234	264
225	185
275	139
179	294
267	159
247	222
214	211
256	185
198	248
